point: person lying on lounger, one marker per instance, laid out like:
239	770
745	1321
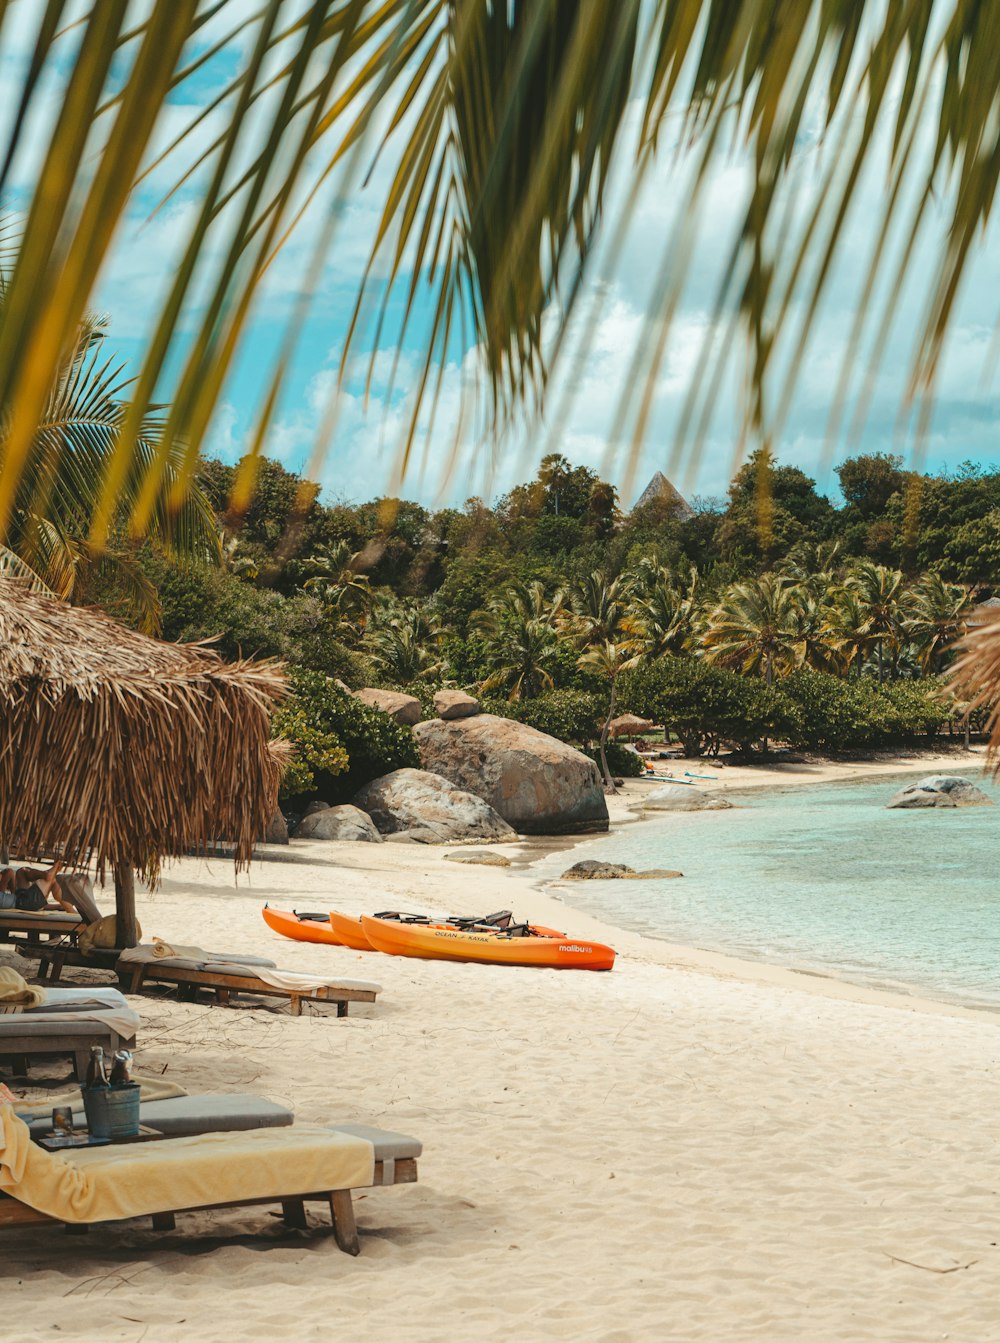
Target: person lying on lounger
33	887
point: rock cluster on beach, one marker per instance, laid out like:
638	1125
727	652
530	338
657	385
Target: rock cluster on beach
590	869
681	797
450	704
345	822
538	784
941	790
406	709
429	809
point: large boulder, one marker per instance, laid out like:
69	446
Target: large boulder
276	831
450	704
339	823
406	709
683	797
539	785
429	809
941	790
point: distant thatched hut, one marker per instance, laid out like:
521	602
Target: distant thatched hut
120	750
628	725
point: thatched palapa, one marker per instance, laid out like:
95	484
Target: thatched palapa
120	750
628	725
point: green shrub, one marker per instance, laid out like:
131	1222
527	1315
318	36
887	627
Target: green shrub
574	716
621	761
341	744
837	715
706	705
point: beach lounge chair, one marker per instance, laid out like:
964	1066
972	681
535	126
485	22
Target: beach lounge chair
228	975
69	1023
39	929
289	1165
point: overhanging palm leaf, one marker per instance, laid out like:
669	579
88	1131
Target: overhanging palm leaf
503	119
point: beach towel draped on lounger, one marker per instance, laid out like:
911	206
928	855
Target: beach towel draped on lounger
15	991
256	967
100	1184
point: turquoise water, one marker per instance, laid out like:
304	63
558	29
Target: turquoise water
821	878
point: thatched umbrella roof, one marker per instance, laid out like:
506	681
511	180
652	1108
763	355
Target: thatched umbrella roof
120	750
628	725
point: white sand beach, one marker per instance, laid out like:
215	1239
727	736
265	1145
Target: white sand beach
688	1148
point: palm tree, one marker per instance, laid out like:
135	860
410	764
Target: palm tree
524	654
337	582
405	644
500	125
609	660
60	489
754	627
935	619
520	603
880	595
660	617
598	609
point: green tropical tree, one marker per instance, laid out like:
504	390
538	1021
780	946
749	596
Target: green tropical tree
405	644
880	594
499	125
336	579
598	609
525	655
609	660
754	627
60	487
935	619
660	617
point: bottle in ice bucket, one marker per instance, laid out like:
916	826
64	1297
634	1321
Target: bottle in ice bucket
96	1073
121	1071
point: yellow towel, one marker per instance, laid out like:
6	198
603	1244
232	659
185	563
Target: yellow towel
98	1184
16	991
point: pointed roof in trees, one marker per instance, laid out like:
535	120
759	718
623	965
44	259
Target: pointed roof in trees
661	491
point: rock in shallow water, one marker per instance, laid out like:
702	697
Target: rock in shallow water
681	797
940	790
592	870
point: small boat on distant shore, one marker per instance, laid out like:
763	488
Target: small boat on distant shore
513	946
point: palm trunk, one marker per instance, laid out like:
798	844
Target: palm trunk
881	669
609	783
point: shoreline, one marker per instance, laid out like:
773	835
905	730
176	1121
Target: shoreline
734	780
692	1148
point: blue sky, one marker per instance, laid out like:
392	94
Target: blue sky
359	464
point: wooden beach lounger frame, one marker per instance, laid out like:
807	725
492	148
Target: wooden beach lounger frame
23	1037
388	1171
132	975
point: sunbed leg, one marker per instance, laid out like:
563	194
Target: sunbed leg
293	1213
295	1002
164	1221
345	1230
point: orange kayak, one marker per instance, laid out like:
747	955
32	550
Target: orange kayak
349	931
451	944
290	924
